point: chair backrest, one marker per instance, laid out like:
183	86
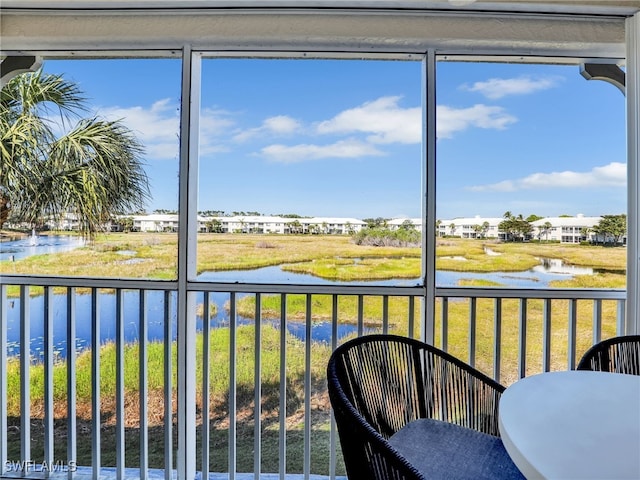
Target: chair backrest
616	355
379	383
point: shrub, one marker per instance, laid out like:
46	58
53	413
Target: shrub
384	237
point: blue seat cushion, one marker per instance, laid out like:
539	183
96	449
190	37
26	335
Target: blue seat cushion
444	450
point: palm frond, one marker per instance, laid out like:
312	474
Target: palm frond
93	171
41	91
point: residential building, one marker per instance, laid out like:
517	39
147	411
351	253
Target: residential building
470	227
566	229
396	223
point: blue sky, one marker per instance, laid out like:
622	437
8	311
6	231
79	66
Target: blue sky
343	138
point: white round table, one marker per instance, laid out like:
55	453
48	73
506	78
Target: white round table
573	425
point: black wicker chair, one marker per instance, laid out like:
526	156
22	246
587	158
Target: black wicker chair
616	355
378	384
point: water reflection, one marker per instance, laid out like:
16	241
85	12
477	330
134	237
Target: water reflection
19	248
537	277
155	317
556	266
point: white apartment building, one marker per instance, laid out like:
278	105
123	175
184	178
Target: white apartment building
559	229
245	224
470	227
155	223
68	222
275	224
251	224
396	223
566	229
332	225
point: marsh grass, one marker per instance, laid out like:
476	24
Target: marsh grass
458	325
219	403
331	257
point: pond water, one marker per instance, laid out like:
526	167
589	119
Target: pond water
18	248
155	305
538	277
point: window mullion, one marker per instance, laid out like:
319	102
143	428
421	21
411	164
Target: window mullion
190	111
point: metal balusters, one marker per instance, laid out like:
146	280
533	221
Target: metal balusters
120	412
621	317
95	382
571	336
307	391
597	321
25	374
71	380
522	339
360	315
143	394
497	337
168	388
257	386
282	441
206	394
473	313
444	333
546	335
411	319
602	320
233	338
333	443
49	450
385	314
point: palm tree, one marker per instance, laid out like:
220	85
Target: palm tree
51	166
485	228
546	228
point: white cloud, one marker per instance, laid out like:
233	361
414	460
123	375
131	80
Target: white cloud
496	88
451	120
214	127
158	127
611	175
278	125
383	119
349	148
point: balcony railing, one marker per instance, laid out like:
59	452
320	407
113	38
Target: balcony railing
88	367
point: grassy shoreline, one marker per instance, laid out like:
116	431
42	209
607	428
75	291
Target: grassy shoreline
332	257
219	387
335	258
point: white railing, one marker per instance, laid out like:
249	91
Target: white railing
88	378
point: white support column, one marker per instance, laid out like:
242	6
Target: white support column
632	324
429	195
190	112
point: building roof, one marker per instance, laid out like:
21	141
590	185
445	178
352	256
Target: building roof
477	220
577	221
